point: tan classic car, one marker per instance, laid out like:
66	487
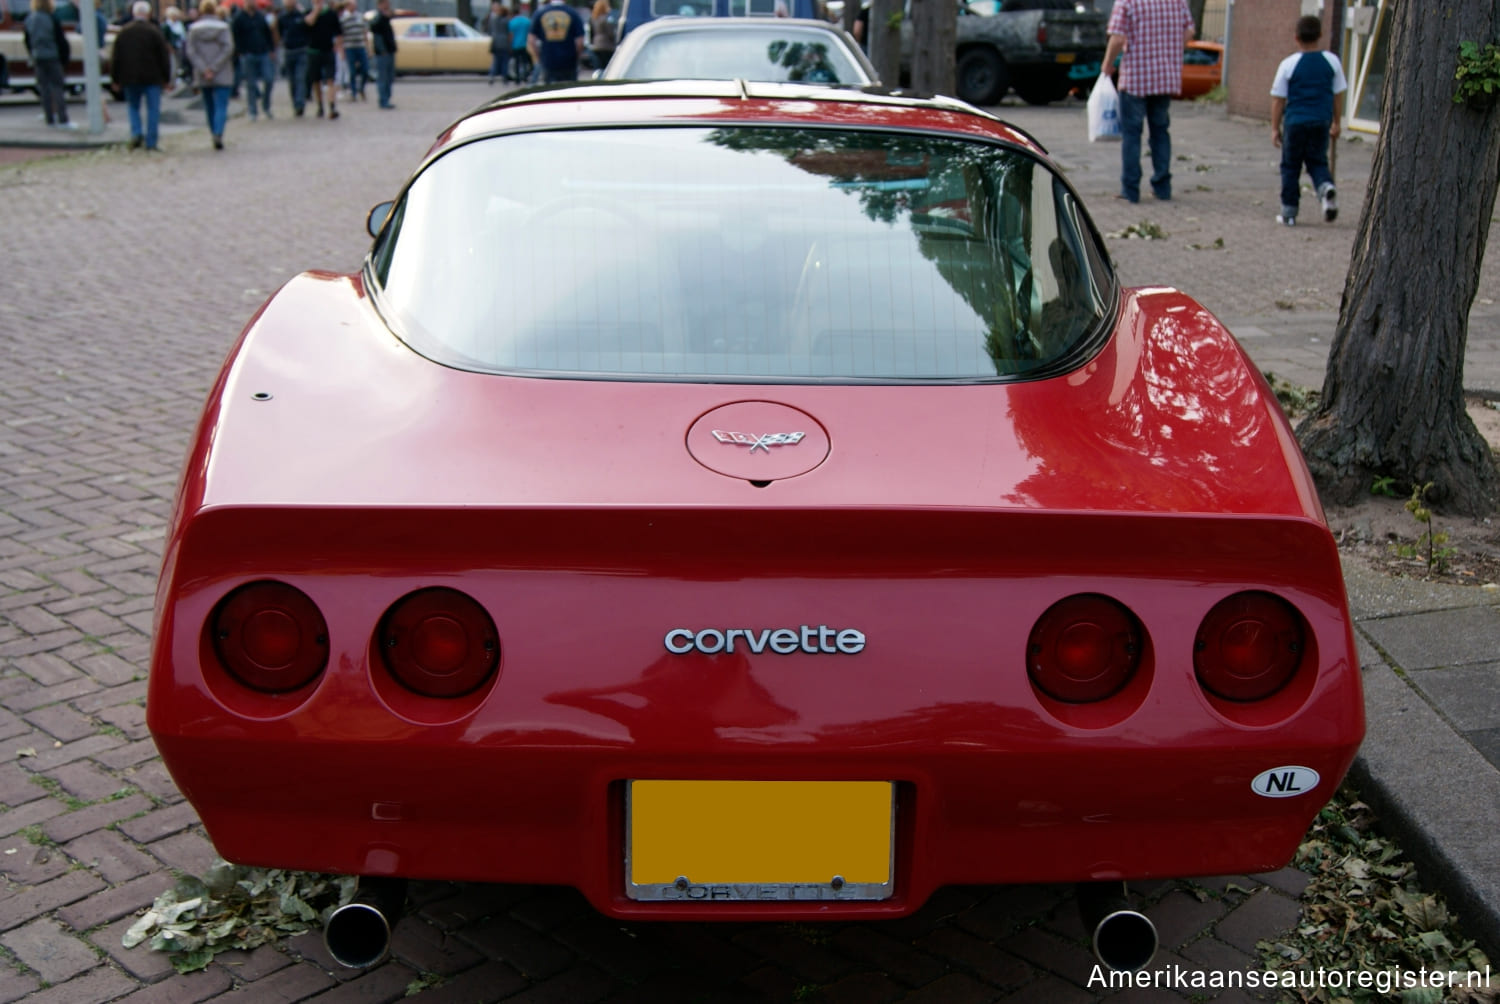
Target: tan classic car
439	45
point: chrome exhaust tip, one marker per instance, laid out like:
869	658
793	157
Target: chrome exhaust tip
1123	939
358	934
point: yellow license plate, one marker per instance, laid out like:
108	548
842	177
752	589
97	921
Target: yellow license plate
759	840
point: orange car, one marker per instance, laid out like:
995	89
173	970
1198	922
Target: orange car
1202	68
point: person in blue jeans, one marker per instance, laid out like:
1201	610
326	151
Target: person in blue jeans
520	56
383	38
254	42
211	51
1307	104
142	66
292	23
497	27
1150	34
356	49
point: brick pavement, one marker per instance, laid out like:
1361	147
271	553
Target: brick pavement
131	276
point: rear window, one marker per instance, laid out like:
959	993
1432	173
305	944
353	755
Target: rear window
682	8
742	253
748	53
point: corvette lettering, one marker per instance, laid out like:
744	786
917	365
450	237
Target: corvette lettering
757	441
818	640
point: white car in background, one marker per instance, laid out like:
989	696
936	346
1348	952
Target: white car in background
773	50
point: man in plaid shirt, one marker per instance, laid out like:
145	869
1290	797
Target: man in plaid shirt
1152	34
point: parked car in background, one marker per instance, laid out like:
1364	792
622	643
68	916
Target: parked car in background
1202	68
439	45
777	49
638	12
16	70
1041	53
746	501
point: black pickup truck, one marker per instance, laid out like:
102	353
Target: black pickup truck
1041	48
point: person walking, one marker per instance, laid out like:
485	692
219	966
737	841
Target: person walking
383	37
557	41
255	43
356	49
176	35
520	56
292	24
142	67
210	48
1152	34
497	26
324	36
601	33
47	45
1307	105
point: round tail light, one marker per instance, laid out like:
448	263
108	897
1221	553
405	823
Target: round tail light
1084	648
439	643
1248	646
270	636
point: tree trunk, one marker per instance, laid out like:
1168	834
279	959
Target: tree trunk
1393	401
885	40
934	26
1195	7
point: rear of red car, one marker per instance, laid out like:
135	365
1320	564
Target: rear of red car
961	566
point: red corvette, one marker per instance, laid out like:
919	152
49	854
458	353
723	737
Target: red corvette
747	501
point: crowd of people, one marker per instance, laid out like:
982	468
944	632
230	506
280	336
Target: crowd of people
226	51
547	44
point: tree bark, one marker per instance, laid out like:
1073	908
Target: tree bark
885	40
1393	402
934	26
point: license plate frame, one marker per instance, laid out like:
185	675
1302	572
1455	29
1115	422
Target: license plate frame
768	816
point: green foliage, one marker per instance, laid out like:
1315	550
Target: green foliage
1217	96
1478	73
1384	486
234	907
813	934
1144	230
1430	543
33	835
1294	399
56	791
424	982
1364	910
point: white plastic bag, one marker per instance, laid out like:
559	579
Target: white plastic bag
1104	110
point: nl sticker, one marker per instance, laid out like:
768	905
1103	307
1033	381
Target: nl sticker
1285	782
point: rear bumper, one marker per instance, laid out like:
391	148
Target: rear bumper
524	779
536	816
